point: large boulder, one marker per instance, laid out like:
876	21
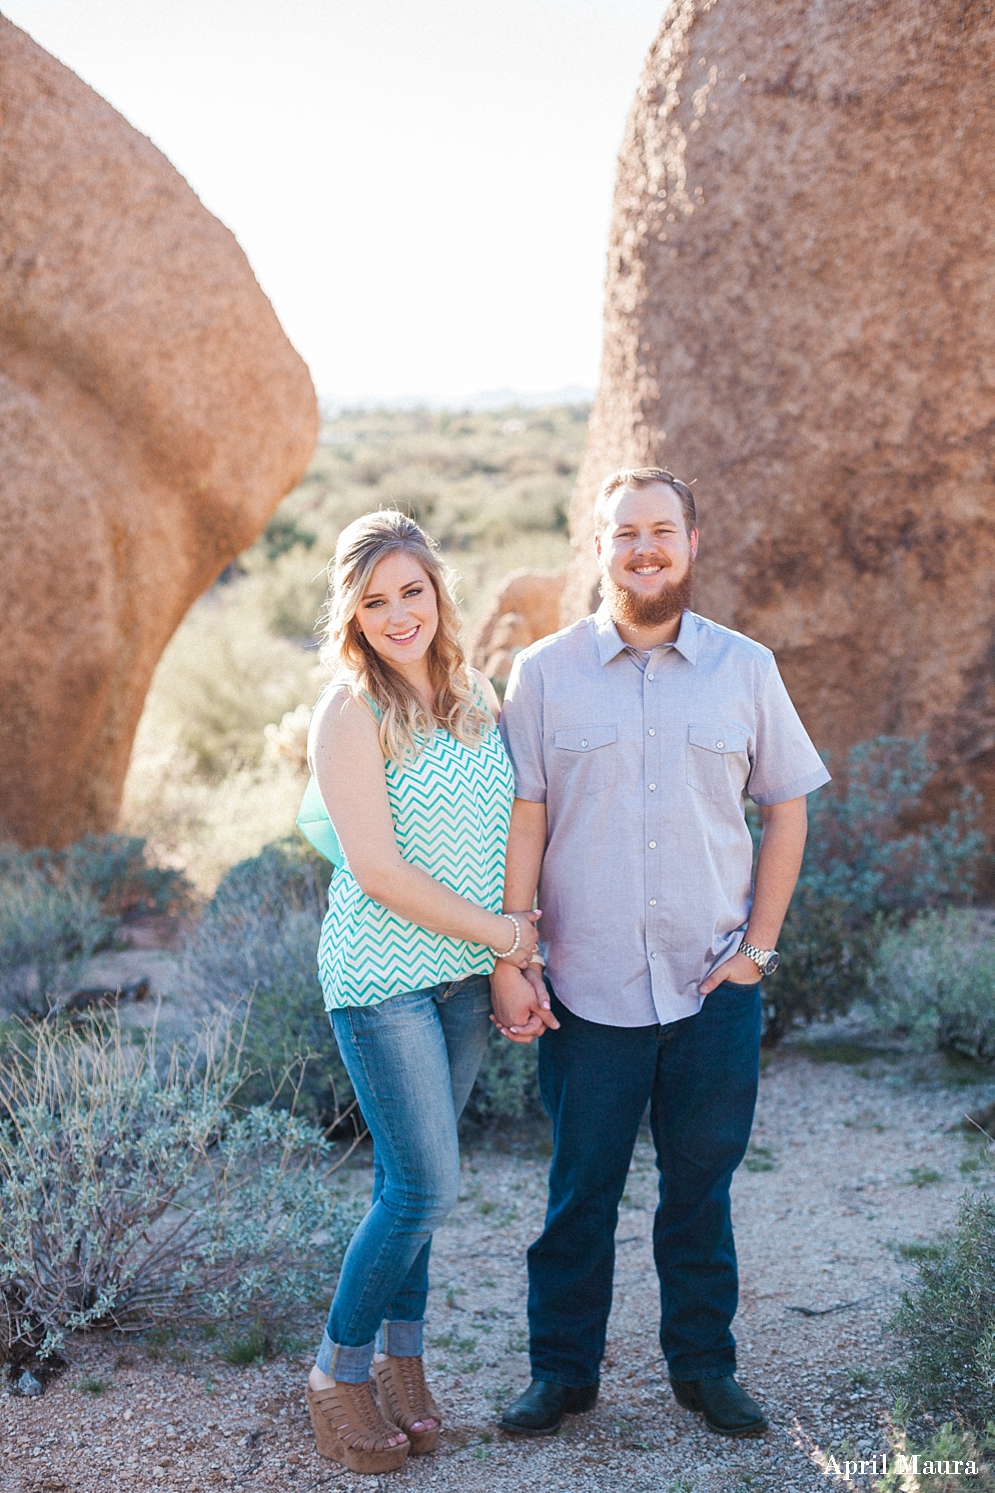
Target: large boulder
525	609
801	317
152	415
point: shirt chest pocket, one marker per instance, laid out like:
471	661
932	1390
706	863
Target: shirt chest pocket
584	757
718	761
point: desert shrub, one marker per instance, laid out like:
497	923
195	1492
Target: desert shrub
948	1321
58	907
934	983
118	870
284	533
130	1194
506	1087
48	929
866	869
936	1458
223	678
257	943
208	826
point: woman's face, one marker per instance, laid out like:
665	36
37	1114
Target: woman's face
399	612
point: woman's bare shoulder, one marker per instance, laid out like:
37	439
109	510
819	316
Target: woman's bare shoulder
487	690
339	717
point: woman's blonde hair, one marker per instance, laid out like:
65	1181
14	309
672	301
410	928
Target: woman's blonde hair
405	724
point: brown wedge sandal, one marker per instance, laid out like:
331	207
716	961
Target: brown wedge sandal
406	1399
349	1428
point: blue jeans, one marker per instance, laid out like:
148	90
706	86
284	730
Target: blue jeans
412	1060
699	1076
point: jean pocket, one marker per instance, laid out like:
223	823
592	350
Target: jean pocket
717	760
584	757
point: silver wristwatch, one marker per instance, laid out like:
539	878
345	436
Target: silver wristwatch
766	960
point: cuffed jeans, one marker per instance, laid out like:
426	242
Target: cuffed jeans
699	1076
412	1060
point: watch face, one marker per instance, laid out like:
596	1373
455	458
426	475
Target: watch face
773	960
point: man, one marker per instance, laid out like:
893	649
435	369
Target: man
634	735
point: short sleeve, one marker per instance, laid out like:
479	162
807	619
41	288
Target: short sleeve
521	731
786	765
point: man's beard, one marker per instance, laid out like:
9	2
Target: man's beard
632	610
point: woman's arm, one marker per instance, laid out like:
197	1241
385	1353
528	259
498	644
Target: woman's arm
347	761
521	1002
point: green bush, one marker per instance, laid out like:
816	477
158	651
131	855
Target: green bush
115	869
936	1458
934	983
130	1195
948	1321
224	677
118	871
866	869
47	931
57	908
257	943
506	1087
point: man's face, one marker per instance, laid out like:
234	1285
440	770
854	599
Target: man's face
646	554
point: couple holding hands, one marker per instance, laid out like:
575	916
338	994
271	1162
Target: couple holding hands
611	792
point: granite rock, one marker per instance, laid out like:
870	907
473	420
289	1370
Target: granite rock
526	608
152	415
800	318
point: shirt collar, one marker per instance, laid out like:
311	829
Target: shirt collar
610	645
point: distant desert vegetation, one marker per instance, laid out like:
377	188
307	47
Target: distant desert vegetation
216	771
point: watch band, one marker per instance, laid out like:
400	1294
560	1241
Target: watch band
760	957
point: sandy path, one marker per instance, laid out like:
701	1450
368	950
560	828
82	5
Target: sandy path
816	1229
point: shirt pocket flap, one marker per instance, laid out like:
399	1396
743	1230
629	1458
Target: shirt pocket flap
584	738
718	738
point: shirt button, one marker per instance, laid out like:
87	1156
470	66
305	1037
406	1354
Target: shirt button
652	844
650	676
652	787
652	730
653	956
584	743
652	901
719	744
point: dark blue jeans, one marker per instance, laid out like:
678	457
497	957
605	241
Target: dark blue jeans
699	1076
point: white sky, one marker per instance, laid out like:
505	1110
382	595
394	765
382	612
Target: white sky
423	187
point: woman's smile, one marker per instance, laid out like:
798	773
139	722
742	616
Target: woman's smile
399	613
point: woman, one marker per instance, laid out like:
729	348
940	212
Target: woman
416	782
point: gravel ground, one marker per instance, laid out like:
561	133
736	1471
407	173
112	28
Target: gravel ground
845	1164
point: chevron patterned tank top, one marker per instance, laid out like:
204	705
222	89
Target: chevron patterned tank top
451	809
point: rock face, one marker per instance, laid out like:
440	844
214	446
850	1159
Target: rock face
801	316
152	415
526	608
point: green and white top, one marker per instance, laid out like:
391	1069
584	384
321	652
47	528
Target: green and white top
451	808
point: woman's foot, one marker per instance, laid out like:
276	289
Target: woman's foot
406	1399
349	1426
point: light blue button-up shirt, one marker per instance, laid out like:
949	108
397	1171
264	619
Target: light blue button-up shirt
647	877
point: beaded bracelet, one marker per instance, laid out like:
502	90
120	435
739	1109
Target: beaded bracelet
506	953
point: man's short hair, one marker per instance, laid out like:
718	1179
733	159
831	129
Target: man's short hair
643	477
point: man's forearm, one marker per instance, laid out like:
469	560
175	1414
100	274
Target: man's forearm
526	847
778	864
